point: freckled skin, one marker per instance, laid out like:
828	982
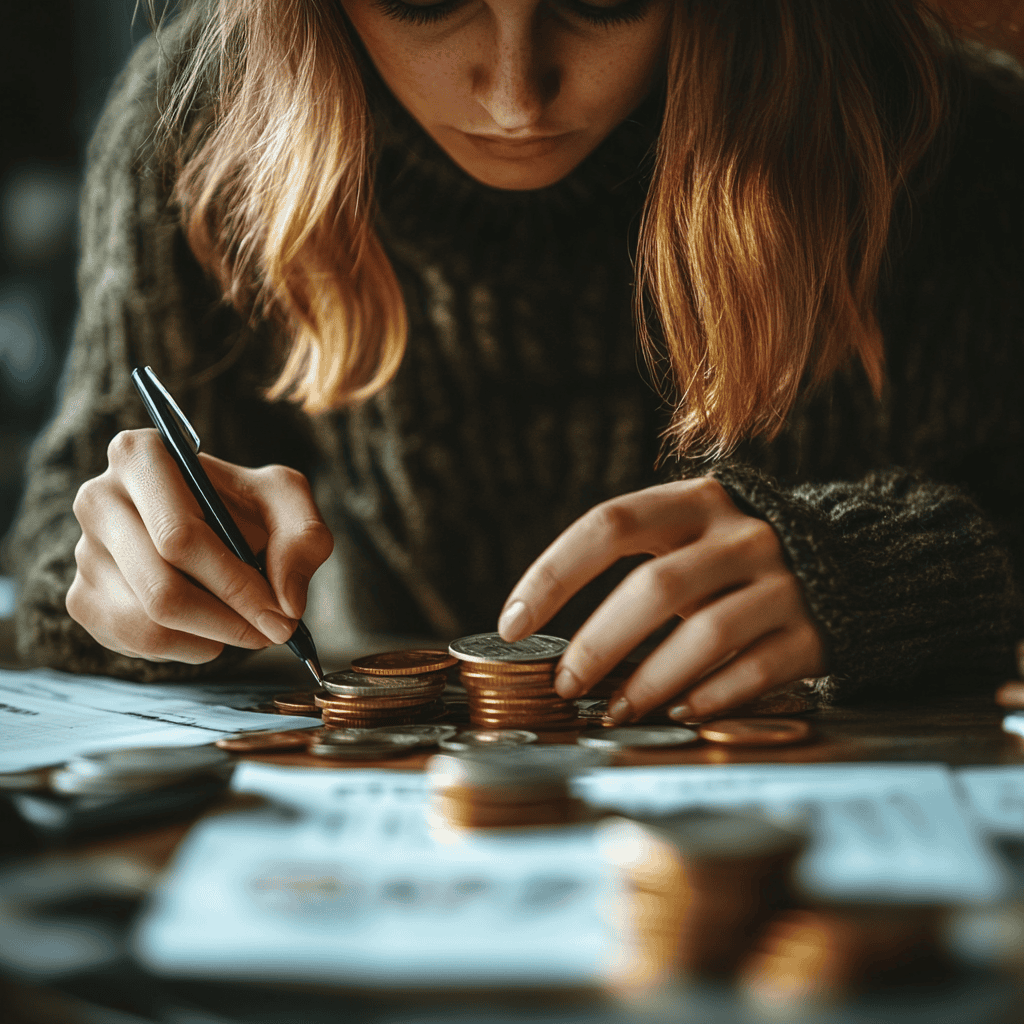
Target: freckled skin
518	69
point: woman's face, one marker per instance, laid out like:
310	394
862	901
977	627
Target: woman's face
516	92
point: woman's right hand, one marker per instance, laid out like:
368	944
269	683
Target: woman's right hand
154	581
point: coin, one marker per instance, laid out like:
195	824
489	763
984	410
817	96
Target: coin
404	663
643	736
358	684
368	737
150	759
359	751
755	732
381	704
301	703
427	734
266	739
489	647
488	738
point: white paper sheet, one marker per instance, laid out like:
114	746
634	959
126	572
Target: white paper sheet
995	797
47	717
347	884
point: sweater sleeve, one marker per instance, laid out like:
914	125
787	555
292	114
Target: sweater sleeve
144	300
908	580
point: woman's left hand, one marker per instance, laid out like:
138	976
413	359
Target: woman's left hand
745	628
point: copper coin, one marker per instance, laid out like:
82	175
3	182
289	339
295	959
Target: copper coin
335	704
265	739
755	732
404	663
359	684
302	703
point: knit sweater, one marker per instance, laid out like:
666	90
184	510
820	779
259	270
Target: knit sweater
522	402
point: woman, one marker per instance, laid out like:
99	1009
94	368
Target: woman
416	223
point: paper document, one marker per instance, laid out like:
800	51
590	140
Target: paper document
995	797
47	717
346	883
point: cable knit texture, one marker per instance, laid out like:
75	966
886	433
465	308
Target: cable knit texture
522	401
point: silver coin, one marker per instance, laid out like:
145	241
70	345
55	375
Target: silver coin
117	783
360	751
359	684
367	737
144	760
641	736
425	734
474	738
29	779
489	647
592	709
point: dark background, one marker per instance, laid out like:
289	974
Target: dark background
58	59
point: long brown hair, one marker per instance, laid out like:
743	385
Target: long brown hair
791	129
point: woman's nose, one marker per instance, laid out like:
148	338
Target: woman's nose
515	84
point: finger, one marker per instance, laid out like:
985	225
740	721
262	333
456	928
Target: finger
104	605
674	584
167	597
696	646
653	521
182	537
776	659
298	541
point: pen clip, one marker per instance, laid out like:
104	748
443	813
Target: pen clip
181	420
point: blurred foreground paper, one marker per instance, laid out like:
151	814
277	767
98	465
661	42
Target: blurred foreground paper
345	884
47	717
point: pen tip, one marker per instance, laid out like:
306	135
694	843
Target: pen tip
314	667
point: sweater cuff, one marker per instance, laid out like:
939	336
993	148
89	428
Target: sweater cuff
906	579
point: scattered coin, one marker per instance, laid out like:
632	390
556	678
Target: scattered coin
756	732
428	735
297	703
30	779
489	647
266	739
372	747
404	663
136	769
473	738
639	736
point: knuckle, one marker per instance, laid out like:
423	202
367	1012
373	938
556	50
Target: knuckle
123	446
281	476
88	499
612	520
660	580
314	536
164	599
708	632
234	590
175	538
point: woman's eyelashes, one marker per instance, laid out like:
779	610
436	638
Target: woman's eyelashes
596	14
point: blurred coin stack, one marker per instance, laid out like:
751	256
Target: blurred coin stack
511	787
694	889
810	958
352	699
511	685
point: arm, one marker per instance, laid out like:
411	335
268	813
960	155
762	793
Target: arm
144	300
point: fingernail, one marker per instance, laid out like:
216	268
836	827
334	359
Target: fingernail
514	621
620	711
567	685
681	713
275	626
295	593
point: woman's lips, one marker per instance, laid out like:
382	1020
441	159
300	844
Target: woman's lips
516	148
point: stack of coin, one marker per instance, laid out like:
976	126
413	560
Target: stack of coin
511	685
358	699
138	769
694	888
806	959
507	787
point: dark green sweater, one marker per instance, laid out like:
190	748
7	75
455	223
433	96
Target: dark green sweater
522	401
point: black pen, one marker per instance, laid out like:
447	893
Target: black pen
182	442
